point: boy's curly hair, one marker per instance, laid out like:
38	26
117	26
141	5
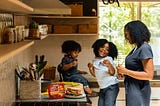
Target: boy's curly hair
70	45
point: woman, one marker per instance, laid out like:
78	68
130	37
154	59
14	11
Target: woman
139	66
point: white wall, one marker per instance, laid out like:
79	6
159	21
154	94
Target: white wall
51	48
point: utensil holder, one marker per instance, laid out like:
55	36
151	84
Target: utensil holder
30	89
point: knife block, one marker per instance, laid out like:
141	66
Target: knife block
30	89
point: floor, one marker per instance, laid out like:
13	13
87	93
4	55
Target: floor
155	97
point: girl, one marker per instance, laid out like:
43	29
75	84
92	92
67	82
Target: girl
103	69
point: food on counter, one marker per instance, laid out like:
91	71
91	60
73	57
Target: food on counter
56	91
74	91
59	90
70	83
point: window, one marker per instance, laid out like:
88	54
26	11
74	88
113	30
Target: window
113	18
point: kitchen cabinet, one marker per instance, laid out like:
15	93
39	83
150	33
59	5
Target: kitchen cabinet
15	6
87	5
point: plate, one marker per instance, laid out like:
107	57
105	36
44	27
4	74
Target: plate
75	97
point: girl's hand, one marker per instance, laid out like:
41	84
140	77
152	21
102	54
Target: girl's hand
91	69
90	65
106	62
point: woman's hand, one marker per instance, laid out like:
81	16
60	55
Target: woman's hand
121	70
146	74
120	76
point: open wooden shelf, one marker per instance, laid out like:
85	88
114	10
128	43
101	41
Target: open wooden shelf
33	38
15	6
73	34
74	17
9	50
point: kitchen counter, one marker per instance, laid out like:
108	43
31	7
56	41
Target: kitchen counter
44	100
153	83
9	50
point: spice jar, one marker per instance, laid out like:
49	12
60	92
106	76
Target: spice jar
8	36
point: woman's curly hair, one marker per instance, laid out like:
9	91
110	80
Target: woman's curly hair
139	32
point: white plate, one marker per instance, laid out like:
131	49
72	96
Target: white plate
75	97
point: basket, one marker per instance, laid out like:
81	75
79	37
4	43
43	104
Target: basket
87	28
49	74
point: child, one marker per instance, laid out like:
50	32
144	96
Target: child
103	69
69	64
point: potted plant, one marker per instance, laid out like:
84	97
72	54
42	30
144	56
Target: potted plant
34	30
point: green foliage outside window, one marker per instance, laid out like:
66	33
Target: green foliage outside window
112	20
